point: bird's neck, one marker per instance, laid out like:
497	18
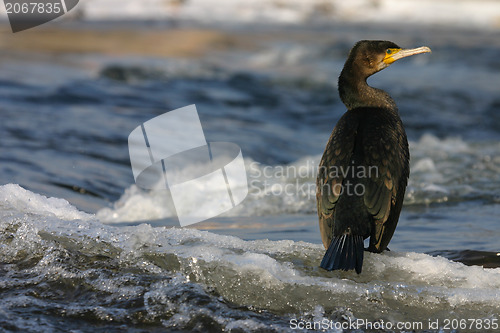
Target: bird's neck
355	92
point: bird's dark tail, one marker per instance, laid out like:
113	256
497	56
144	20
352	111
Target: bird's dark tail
345	252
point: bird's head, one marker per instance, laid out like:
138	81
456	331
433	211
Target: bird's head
371	56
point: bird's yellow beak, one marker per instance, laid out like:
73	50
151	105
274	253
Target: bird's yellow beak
392	55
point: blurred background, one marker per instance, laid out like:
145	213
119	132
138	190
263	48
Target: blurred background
263	74
260	72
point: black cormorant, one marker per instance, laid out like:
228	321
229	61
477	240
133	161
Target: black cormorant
364	170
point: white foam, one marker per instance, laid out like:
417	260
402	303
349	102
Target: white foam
437	167
137	205
272	190
262	273
450	167
466	13
16	197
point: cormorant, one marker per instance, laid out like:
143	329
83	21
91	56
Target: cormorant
364	170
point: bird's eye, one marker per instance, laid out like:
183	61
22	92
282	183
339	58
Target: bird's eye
389	51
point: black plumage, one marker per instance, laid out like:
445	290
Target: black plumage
364	170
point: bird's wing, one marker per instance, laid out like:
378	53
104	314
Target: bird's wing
386	174
385	167
336	158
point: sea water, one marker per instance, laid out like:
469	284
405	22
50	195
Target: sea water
84	249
